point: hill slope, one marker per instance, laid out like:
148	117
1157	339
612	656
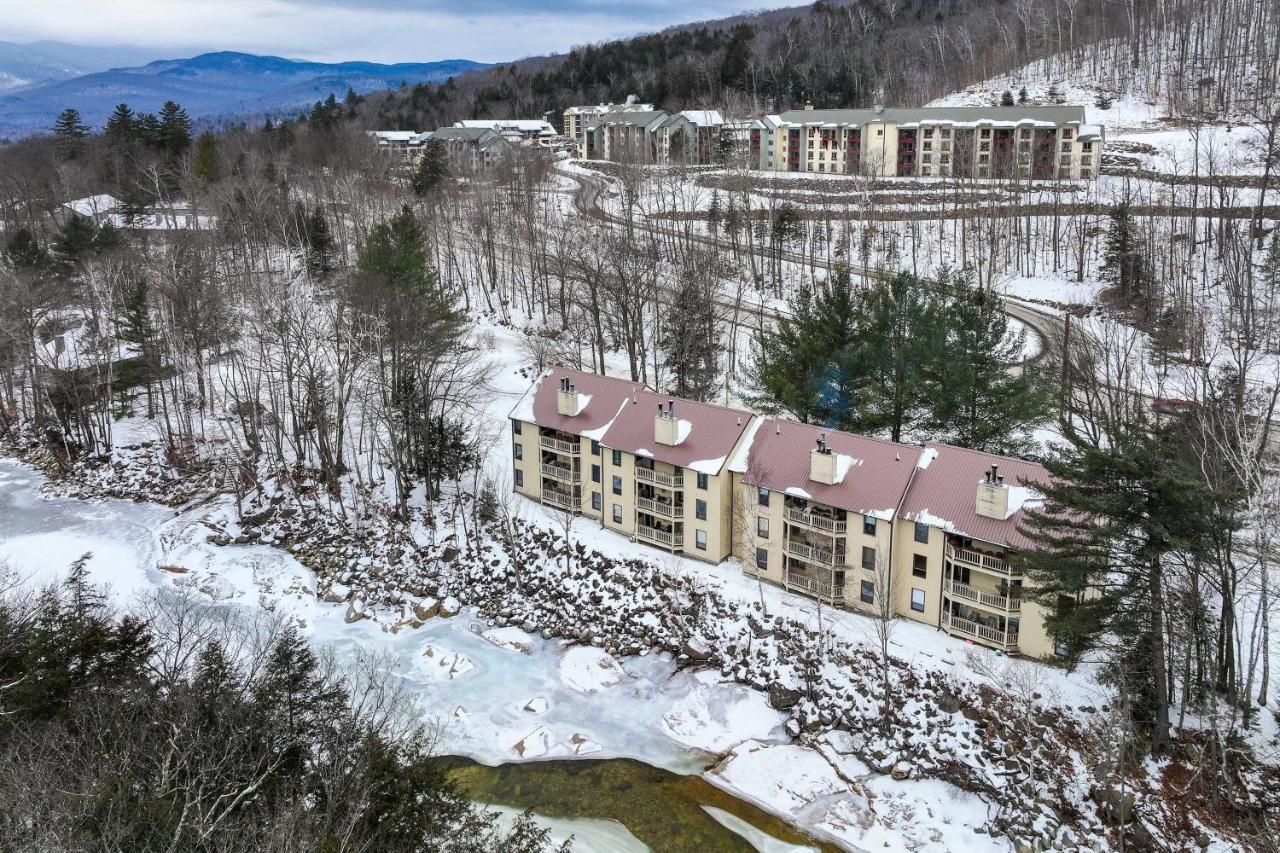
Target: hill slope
211	85
49	61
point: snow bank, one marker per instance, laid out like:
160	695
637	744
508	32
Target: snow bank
589	670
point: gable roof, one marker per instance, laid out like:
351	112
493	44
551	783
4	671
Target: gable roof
604	395
944	492
708	432
873	474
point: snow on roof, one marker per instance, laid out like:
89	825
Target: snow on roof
524	125
93	205
1045	116
738	464
605	397
705	433
703	118
870	473
395	135
944	494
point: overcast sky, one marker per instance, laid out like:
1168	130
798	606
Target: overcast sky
378	30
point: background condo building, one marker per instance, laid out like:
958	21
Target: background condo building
926	532
1042	142
576	119
654	136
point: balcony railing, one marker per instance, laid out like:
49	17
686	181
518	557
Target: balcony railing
648	475
986	599
565	500
662	537
824	588
559	472
559	446
811	554
982	561
659	508
817	522
1007	640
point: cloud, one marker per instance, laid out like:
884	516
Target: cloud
378	30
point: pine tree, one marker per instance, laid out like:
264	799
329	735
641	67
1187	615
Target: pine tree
1006	98
207	163
1103	101
1022	95
175	129
70	133
977	402
1124	265
122	126
315	240
1118	514
433	168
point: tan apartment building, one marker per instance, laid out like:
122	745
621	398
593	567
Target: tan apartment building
577	119
1030	142
850	520
644	465
653	137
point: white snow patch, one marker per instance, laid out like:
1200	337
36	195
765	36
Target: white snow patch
709	467
715	715
683	428
583	400
589	670
843	464
797	492
535	744
738	462
444	664
511	638
1023	497
926	456
598	433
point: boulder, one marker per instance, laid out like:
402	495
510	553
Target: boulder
450	607
783	698
901	770
356	611
696	649
426	609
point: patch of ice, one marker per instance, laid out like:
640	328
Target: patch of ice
511	638
715	715
535	744
444	664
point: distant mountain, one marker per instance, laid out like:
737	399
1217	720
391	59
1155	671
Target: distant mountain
211	86
50	61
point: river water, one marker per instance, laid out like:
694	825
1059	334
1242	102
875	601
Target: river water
611	752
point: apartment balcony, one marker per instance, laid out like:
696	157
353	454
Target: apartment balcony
659	508
993	600
815	521
981	561
563	473
1005	640
812	554
561	499
659	537
824	588
669	481
557	445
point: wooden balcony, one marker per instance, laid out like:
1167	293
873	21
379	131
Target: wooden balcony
819	587
659	508
556	445
1006	640
804	518
564	500
563	473
993	600
981	561
670	481
660	537
811	554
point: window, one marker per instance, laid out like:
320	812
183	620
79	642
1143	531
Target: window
1067	133
920	565
595	473
926	171
595	501
868	593
515	425
617	457
595	447
519	478
617	513
879	131
617	484
1066	147
700	509
762	527
927	146
928	132
986	133
762	496
700	539
984	146
922	533
917	600
869	525
1084	146
868	557
1025	133
702	481
518	449
762	559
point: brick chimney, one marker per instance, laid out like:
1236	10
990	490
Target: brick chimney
993	495
822	463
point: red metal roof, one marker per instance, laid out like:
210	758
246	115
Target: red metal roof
876	472
943	494
710	432
606	394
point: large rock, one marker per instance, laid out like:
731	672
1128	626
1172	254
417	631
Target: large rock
356	611
426	609
783	698
696	649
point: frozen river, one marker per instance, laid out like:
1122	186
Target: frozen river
496	697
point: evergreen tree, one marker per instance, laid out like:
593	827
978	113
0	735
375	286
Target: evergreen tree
70	133
315	240
207	163
1124	264
1006	98
433	168
75	240
1103	101
122	127
690	343
23	250
175	129
1022	95
977	401
1118	514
